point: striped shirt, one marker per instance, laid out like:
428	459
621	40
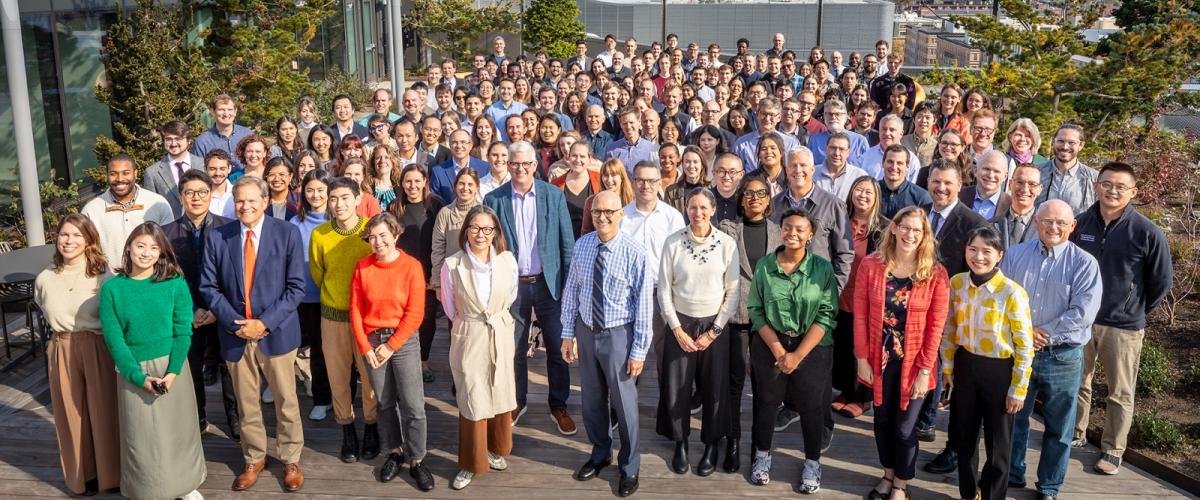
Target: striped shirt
628	289
992	321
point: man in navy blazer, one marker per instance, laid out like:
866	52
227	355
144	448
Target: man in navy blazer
537	228
441	180
267	337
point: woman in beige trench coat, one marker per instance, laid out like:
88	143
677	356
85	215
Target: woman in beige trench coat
478	284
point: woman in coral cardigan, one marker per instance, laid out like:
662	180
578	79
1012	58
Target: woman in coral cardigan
901	294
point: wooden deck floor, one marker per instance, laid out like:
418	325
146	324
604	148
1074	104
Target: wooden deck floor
540	467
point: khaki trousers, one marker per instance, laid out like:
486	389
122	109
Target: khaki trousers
1119	351
477	437
337	341
83	390
280	372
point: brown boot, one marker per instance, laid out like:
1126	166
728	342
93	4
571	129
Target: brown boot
249	476
293	479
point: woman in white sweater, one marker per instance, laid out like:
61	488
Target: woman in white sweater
698	294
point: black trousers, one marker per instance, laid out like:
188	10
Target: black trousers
896	429
979	398
428	324
845	365
310	337
739	364
202	338
707	370
807	386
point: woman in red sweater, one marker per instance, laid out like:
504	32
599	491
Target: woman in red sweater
900	295
387	304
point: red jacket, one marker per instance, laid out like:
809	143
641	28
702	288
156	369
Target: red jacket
927	307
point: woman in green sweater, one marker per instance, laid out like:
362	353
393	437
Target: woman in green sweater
146	315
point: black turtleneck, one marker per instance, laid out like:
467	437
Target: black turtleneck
980	279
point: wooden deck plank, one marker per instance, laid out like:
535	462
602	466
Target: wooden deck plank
541	466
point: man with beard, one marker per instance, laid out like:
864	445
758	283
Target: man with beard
1064	177
123	207
835	122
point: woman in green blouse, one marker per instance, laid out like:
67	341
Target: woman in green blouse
146	315
792	306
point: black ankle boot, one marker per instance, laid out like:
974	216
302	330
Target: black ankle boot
349	444
708	460
679	462
370	442
733	461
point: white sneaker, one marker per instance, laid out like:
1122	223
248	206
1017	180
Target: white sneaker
318	413
496	462
267	397
462	480
194	495
810	482
760	470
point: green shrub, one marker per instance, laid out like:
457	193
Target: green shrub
1190	380
1153	432
1154	374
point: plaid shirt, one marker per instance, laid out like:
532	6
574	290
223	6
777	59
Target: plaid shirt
628	289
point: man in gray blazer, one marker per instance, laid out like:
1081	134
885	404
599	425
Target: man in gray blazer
1015	221
163	176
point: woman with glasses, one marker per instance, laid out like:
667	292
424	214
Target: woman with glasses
380	133
698	294
952	148
1022	143
900	294
479	284
449	222
756	235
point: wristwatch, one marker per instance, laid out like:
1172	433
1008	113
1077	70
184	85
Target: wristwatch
924	372
717	330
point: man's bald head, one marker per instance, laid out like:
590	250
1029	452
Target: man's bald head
1055	221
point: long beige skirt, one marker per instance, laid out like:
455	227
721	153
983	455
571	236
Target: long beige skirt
161	457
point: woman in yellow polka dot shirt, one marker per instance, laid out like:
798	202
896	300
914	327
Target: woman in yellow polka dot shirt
988	338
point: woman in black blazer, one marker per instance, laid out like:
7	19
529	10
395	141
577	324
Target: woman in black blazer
756	236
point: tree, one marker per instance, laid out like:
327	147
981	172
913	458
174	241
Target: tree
452	25
155	75
553	25
255	47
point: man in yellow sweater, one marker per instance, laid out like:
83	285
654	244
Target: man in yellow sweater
335	248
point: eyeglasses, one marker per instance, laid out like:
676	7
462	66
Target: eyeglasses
523	165
646	182
951	144
1026	184
1055	223
378	127
726	173
196	193
909	229
484	230
1116	188
982	130
606	214
754	194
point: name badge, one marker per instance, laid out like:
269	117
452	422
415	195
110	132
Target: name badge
1087	237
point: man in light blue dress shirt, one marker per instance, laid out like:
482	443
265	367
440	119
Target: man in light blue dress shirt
1064	287
607	308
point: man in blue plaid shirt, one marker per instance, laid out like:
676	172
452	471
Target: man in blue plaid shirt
608	301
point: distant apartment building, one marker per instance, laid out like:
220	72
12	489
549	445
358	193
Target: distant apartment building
944	45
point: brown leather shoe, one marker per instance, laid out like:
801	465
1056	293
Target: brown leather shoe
249	476
293	479
566	426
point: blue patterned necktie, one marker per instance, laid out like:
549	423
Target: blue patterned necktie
598	289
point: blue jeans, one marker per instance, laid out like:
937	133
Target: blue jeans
535	298
1056	376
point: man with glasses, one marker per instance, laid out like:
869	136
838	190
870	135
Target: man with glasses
767	116
163	176
649	221
607	305
1136	268
1064	287
1016	224
727	176
711	117
187	235
537	227
1064	177
835	123
381	104
983	133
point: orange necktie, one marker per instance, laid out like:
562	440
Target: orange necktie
248	257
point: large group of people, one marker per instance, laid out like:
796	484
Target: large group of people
826	225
